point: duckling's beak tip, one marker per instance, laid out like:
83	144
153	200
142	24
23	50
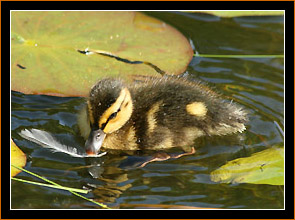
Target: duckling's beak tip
90	153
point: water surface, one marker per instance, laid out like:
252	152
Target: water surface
256	84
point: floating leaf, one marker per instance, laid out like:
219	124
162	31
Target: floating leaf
243	13
265	167
51	50
18	158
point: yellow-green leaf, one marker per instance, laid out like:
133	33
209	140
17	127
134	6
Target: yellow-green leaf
18	158
265	167
45	49
243	13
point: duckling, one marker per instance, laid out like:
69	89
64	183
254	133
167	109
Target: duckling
156	114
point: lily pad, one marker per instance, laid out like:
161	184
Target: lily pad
230	14
53	52
18	158
265	167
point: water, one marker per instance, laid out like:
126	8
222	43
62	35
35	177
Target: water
257	84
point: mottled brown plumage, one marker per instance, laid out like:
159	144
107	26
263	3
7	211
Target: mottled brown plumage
155	114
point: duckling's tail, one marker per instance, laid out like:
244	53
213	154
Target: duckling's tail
232	123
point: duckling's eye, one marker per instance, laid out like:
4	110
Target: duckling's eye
113	115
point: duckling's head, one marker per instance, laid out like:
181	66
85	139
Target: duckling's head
109	107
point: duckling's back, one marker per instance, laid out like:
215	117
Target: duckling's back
171	111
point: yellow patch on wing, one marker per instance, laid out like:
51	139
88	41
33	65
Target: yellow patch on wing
152	123
198	109
131	139
124	103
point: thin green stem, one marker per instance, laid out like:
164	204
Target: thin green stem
91	200
52	186
237	56
57	185
33	174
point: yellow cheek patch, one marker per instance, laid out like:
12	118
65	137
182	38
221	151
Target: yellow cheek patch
197	109
124	103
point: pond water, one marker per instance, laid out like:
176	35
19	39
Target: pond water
255	83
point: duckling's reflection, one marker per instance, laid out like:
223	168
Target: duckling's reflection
108	171
112	170
95	167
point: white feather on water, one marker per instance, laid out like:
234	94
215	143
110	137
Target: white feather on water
46	140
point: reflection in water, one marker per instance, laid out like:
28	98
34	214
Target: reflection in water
111	175
111	171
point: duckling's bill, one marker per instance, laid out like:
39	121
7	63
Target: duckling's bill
94	141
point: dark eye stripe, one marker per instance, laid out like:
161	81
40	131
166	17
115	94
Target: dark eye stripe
113	115
103	125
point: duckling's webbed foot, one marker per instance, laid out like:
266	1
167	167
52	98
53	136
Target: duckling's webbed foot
161	156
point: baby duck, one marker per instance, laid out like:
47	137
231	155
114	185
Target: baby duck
156	114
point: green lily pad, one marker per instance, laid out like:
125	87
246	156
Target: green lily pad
230	14
18	158
45	49
265	167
